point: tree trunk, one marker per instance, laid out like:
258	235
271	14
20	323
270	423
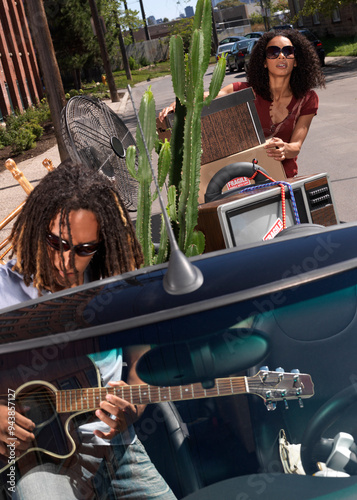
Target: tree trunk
103	50
50	72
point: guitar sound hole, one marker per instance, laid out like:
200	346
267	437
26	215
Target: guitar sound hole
38	403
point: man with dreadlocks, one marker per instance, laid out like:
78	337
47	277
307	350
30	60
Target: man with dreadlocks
72	230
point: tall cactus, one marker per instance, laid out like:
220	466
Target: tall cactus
184	175
187	80
144	176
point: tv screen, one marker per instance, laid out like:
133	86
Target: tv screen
256	221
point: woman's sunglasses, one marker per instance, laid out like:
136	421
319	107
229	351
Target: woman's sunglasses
273	52
82	250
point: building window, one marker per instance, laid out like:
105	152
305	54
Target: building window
336	15
316	18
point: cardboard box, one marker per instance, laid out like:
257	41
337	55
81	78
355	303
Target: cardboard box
274	168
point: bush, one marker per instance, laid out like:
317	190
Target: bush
22	140
23	129
132	63
144	62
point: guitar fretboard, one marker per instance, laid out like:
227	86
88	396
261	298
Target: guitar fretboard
89	399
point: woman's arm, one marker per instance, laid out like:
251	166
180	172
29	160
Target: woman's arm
280	150
228	89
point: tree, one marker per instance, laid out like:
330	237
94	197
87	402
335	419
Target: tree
72	34
49	68
183	27
324	7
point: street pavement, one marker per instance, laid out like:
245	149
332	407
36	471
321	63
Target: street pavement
330	146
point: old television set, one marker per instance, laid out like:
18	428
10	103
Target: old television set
255	216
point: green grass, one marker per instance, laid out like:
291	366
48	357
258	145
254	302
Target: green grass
337	47
142	74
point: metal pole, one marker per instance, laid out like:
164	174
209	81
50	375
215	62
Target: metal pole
144	19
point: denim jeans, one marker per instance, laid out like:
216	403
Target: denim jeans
125	472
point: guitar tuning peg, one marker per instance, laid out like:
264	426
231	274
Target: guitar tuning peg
281	371
296	372
264	369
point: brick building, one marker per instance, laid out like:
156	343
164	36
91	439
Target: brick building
342	22
20	82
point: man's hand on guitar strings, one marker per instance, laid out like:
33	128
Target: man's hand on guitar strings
116	413
22	434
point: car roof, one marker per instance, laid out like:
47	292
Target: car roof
225	47
232	38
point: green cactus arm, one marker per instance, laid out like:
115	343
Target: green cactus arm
206	26
143	225
164	162
163	165
143	221
171	203
148	123
216	81
197	20
177	65
162	253
130	161
196	245
196	67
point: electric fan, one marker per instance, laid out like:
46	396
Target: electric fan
96	136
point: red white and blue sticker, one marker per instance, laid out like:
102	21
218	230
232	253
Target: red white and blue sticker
274	230
238	182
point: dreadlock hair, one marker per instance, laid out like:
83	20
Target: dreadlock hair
71	187
305	76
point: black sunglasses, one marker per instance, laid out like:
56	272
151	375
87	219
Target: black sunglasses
82	250
273	52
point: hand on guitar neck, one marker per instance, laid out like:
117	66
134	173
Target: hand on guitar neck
118	413
14	428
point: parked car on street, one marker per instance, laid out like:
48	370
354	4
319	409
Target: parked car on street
247	55
254	34
229	39
235	58
223	49
316	43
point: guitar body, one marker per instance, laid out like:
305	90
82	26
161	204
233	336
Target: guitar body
54	431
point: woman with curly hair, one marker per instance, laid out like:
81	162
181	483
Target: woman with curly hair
283	70
74	229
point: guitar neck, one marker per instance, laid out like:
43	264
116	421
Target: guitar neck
89	399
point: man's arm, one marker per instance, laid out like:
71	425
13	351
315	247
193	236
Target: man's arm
116	412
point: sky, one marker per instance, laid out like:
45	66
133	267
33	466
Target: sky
161	8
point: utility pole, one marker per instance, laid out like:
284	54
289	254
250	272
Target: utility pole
130	29
214	31
103	50
49	68
144	19
122	48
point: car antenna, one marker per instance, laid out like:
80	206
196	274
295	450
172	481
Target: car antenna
182	276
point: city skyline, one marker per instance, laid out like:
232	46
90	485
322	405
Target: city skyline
166	8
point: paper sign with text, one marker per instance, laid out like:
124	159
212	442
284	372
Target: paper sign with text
238	182
274	230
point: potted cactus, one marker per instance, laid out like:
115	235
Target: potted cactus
179	160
